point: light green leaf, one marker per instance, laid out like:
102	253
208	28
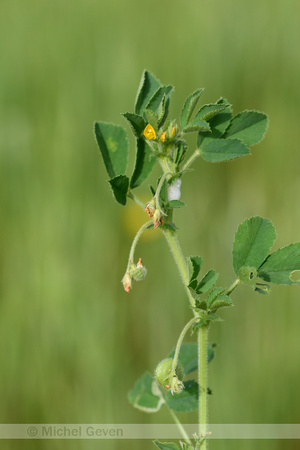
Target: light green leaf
175	204
166	445
248	126
148	86
220	302
144	163
119	187
279	266
207	282
189	106
253	240
113	144
146	395
218	125
137	123
187	400
220	150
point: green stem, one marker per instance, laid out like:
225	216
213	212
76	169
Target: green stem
192	158
136	199
202	382
233	286
135	241
180	427
179	342
171	237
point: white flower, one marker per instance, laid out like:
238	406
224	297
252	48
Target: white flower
174	190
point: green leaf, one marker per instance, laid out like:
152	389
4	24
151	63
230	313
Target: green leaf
207	282
189	106
197	125
180	150
218	125
137	123
156	100
220	150
253	240
187	400
213	295
207	112
188	356
166	445
113	144
194	265
146	395
220	302
151	118
144	163
119	187
248	126
279	266
175	204
148	86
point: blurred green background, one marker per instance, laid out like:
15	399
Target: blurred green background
72	341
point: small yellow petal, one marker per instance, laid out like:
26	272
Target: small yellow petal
149	132
162	137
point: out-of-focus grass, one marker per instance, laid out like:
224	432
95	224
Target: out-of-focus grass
72	342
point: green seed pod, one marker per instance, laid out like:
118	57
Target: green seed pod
138	272
163	372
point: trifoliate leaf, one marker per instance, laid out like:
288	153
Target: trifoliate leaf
189	106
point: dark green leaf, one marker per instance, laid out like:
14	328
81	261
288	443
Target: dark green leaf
278	267
175	204
189	106
248	126
137	123
144	163
179	152
152	119
148	86
187	400
220	150
113	144
166	445
252	242
207	282
194	265
119	187
146	395
218	125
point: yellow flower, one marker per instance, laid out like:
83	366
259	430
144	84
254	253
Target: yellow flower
149	132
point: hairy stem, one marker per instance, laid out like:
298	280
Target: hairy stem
179	342
180	427
192	158
202	381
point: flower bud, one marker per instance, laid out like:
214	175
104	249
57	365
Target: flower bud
127	282
150	208
163	136
157	218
